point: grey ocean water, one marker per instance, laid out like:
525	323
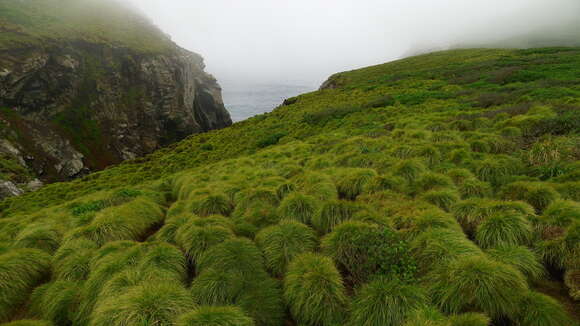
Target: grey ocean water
245	100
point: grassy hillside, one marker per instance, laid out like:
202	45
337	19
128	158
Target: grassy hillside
442	189
35	22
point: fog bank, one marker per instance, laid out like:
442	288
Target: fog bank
305	41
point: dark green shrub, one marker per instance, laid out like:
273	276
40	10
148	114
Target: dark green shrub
270	140
363	250
385	302
314	291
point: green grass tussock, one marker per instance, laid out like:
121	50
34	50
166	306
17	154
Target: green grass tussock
215	316
385	302
314	291
20	271
281	243
151	304
477	282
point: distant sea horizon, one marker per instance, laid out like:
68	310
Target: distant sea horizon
245	100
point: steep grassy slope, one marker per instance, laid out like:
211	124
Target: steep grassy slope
442	189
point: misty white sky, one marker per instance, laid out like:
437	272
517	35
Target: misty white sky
305	41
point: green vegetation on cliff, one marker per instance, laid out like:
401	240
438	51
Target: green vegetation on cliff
441	189
33	22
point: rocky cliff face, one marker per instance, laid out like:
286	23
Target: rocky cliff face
75	107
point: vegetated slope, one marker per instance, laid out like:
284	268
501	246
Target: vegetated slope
85	84
442	189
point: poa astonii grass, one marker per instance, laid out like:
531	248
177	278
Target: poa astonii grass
314	290
152	304
20	271
385	302
519	257
299	207
281	243
215	316
474	281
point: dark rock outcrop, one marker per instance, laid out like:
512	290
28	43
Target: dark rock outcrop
73	107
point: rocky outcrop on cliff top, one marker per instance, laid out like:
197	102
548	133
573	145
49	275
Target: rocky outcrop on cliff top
71	106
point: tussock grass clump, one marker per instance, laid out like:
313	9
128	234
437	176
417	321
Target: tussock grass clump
314	291
298	207
442	198
572	281
127	222
469	319
562	213
475	282
436	246
169	229
155	303
409	169
41	236
215	316
470	213
211	205
333	213
427	316
281	243
239	255
165	258
495	171
196	240
28	323
385	302
261	196
263	301
474	188
537	309
217	287
539	195
351	182
430	219
73	259
504	228
384	182
430	181
57	301
20	271
459	175
519	257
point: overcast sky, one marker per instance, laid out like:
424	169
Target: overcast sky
305	41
